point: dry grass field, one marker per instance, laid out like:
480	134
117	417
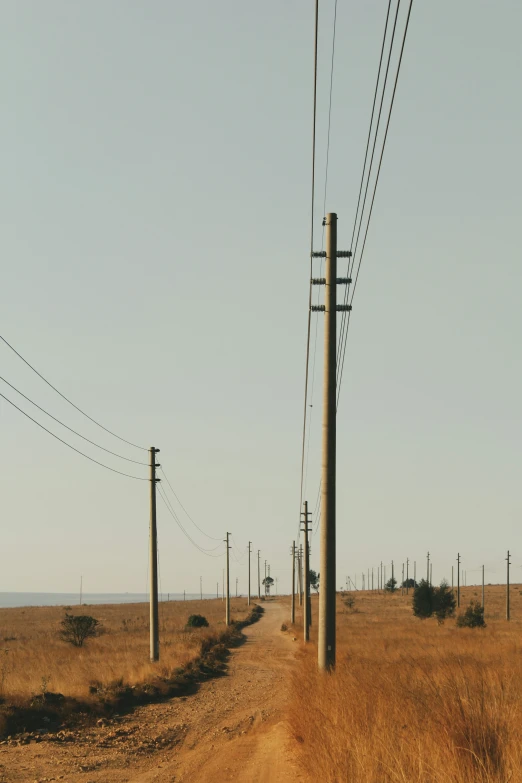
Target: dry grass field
34	659
412	701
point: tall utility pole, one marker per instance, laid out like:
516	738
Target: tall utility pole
327	630
507	586
393	573
227	603
258	575
300	573
306	580
249	553
483	588
382	584
265	579
458	579
292	611
153	555
428	568
407	575
372	578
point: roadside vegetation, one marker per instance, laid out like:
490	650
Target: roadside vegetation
413	699
53	662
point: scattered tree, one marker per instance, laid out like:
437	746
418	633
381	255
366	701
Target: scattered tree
268	582
410	583
197	621
313	579
391	585
429	600
77	628
473	617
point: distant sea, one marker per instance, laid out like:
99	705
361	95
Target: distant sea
73	599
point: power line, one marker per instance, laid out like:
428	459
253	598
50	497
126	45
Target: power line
114	454
143	448
213	538
137	478
173	514
376	182
314	118
345	315
322	239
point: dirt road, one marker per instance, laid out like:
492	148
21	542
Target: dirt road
232	729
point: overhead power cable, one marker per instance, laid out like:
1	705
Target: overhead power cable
137	478
375	186
213	538
314	117
143	448
114	454
207	552
345	315
305	483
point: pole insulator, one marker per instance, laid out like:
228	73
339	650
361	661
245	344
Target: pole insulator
318	280
344	280
317	308
343	308
344	254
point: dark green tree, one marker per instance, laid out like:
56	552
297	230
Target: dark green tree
473	617
197	621
391	585
268	582
313	579
423	600
445	602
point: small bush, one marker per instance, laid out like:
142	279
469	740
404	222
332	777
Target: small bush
197	621
77	628
284	627
473	617
349	601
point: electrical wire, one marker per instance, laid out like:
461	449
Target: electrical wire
213	538
376	182
128	475
143	448
345	315
173	514
322	245
114	454
314	118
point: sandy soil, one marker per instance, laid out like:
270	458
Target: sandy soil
232	729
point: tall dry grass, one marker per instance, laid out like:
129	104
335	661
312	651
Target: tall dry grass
33	658
411	701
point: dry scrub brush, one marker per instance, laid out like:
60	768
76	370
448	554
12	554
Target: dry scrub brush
34	659
410	701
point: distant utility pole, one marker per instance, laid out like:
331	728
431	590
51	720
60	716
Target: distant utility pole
508	561
307	606
393	572
402	584
407	575
300	564
327	610
258	575
483	587
458	579
428	569
265	581
227	602
153	555
372	578
292	610
382	585
368	580
249	553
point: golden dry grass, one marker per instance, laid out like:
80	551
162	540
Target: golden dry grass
33	658
411	701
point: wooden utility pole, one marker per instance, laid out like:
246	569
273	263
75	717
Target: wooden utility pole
407	575
402	585
327	594
227	601
300	576
508	561
458	579
483	587
428	569
258	574
153	555
292	610
393	572
249	553
372	578
306	580
265	579
382	585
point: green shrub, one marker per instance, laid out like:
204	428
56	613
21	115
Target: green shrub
473	617
197	621
429	600
77	628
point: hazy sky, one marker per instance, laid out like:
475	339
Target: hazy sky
155	210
